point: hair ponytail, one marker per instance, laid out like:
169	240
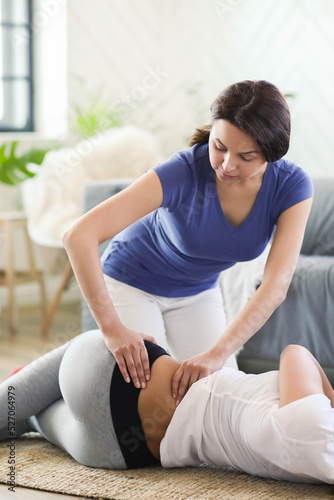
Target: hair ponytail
200	136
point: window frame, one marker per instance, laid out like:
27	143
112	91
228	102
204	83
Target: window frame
29	78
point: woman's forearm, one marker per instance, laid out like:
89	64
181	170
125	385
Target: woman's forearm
255	313
126	345
251	318
83	252
278	272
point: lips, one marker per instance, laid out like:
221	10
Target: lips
226	176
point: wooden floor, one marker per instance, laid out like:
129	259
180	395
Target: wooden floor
23	347
28	344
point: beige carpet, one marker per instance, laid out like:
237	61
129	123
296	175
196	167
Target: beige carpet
42	466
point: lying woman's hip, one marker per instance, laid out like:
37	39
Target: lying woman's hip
85	377
103	405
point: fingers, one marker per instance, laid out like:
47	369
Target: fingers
185	377
180	385
149	337
145	365
134	364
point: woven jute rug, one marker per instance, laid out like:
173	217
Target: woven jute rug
42	466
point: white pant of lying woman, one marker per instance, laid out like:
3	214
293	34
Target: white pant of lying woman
276	425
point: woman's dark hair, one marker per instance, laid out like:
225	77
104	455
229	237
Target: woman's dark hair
259	109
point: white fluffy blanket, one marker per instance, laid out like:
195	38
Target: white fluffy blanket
53	198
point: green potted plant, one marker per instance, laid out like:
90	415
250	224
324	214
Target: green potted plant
98	117
15	168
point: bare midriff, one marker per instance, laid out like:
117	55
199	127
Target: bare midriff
156	405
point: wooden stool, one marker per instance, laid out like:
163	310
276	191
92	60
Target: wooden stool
9	221
67	275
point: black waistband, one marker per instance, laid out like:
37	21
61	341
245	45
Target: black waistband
126	420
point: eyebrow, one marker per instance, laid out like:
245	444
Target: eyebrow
244	153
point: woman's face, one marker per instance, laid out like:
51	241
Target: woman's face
234	155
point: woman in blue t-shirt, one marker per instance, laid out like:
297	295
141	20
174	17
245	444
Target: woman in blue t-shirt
179	225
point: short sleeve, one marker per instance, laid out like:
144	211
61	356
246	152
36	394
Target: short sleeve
176	177
295	186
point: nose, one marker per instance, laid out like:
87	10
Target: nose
228	164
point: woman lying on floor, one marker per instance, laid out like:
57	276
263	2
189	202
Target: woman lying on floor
278	424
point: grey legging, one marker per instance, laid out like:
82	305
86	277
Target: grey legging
65	395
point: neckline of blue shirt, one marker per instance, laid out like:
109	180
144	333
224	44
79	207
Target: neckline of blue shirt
234	229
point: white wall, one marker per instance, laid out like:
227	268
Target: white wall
197	47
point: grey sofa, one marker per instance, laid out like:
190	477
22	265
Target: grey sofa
306	317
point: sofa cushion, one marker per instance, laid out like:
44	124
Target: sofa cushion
306	317
319	233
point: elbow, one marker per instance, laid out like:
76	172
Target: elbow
273	296
65	238
77	236
283	286
282	296
68	237
279	295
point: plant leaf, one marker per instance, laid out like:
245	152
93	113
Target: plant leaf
22	169
14	170
2	153
7	173
13	149
34	156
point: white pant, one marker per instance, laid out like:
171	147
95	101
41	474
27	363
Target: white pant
185	326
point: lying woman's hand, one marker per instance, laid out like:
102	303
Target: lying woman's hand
193	369
130	353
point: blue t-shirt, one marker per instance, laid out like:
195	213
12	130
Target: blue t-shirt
181	248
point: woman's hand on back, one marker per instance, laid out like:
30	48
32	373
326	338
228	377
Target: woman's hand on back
130	353
194	369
